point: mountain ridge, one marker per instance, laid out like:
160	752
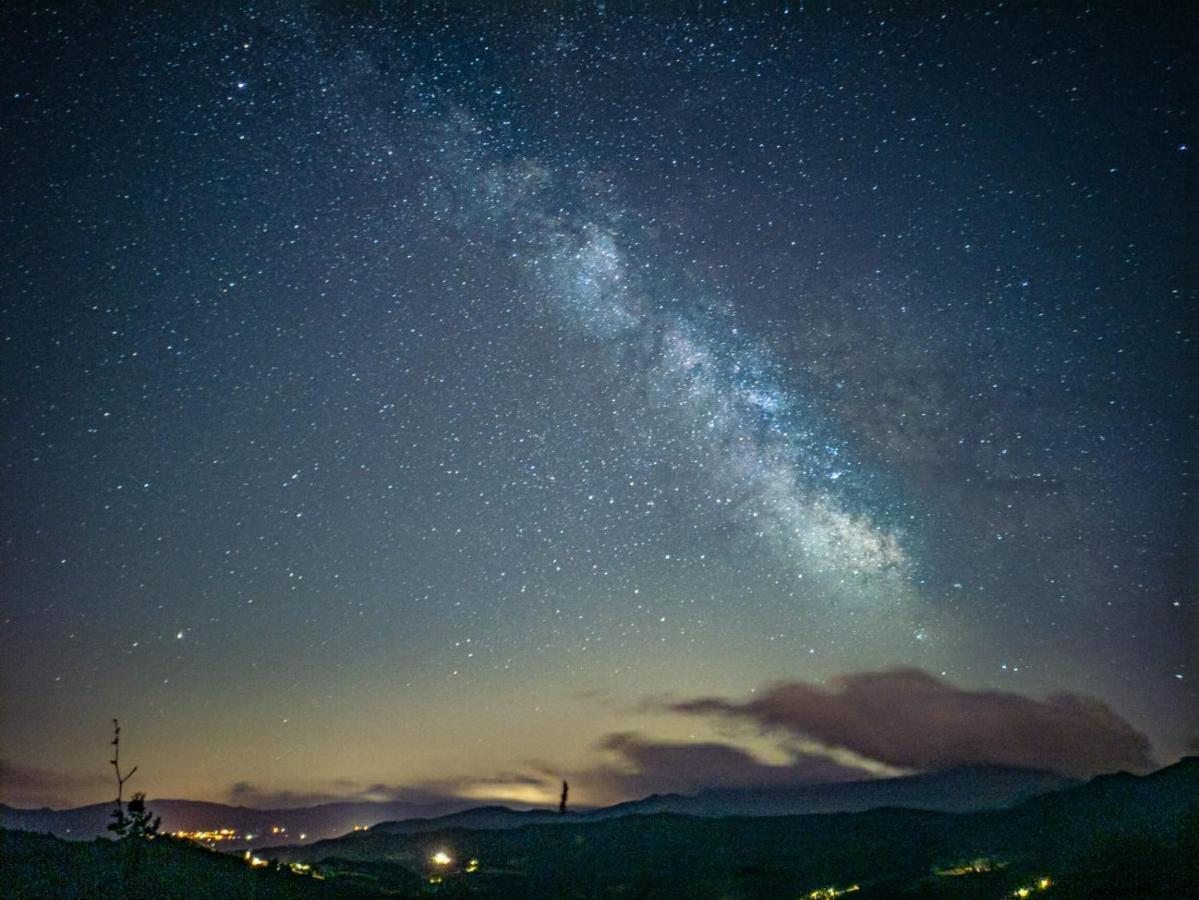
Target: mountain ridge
1114	836
954	789
960	788
1101	837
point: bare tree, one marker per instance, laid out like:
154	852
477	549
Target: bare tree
136	821
562	804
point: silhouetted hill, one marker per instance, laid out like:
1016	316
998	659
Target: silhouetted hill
1121	806
952	790
323	821
483	818
1071	836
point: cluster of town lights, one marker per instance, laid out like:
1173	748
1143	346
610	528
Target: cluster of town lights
979	866
210	837
1043	884
830	893
974	867
298	868
225	835
442	862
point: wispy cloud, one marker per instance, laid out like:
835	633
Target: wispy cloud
456	792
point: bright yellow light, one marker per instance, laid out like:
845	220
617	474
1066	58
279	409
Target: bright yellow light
472	866
831	893
208	837
1044	883
1023	892
257	861
442	858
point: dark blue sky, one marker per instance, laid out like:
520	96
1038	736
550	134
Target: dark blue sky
404	398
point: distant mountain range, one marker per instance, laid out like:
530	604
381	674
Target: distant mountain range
952	790
315	822
1116	836
958	789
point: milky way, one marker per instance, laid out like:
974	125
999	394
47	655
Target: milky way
769	461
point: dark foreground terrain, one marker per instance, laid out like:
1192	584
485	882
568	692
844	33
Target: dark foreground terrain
42	866
1118	836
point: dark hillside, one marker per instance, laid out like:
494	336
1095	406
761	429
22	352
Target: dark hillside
40	866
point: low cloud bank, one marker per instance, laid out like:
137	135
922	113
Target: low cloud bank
639	766
911	719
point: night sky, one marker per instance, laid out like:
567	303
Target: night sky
427	404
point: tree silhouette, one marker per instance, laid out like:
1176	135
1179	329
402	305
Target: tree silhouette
562	804
139	821
134	821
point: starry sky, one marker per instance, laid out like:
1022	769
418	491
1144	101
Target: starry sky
440	402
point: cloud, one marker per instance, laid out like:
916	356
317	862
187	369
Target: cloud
455	792
30	786
246	793
908	718
639	766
